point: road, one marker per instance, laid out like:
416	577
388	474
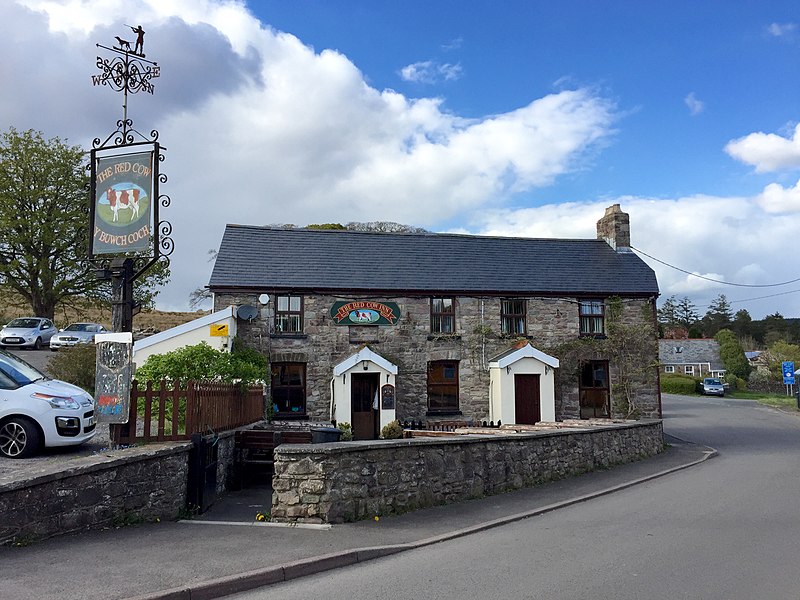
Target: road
37	358
728	529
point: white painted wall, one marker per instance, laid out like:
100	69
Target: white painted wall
188	334
502	389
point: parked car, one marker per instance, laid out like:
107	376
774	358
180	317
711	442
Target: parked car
77	333
37	412
712	386
27	332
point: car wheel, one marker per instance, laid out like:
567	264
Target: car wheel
37	345
19	438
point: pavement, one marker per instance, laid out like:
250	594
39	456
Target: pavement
226	550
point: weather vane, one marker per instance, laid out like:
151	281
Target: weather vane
126	234
127	71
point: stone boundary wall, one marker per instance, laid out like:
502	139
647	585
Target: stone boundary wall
128	486
348	481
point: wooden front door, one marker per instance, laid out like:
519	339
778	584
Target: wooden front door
527	400
363	388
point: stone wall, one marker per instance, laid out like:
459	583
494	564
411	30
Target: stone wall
133	485
348	481
409	344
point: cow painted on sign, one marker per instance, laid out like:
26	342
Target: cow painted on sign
123	199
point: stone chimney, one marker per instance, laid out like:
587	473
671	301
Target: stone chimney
615	228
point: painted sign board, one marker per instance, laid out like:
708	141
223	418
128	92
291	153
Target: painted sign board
788	372
219	330
122	203
365	312
113	377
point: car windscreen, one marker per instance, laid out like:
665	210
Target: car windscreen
80	327
18	370
24	323
713	382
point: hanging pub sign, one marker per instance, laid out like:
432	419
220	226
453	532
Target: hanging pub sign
122	202
365	312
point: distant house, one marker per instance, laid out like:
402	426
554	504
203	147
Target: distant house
367	327
698	358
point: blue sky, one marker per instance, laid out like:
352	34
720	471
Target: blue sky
498	118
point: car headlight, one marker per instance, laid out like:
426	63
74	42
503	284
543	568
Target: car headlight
58	401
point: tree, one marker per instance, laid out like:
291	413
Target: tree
43	220
719	316
731	354
667	313
742	324
44	226
686	313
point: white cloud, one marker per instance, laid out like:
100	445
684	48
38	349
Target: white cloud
726	239
453	44
262	129
430	72
777	199
695	106
781	29
767	151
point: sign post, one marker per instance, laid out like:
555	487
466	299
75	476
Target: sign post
788	376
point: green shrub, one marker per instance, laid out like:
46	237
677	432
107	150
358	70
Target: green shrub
732	354
347	431
75	365
736	383
678	384
201	362
392	431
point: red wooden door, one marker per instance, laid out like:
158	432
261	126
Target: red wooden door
527	400
363	387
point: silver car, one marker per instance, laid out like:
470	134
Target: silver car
713	387
27	332
77	333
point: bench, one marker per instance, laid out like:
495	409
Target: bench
254	452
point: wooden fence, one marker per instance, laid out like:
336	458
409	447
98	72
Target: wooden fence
175	412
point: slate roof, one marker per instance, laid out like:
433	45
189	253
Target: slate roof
269	258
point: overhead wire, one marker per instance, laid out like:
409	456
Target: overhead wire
748	285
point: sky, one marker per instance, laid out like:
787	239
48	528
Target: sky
520	118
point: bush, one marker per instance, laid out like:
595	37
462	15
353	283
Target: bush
732	355
392	431
75	365
347	432
202	363
678	384
736	383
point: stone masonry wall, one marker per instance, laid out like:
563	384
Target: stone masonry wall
348	481
410	345
144	483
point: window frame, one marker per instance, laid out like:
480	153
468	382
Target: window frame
289	388
508	318
440	317
438	388
669	369
285	316
688	370
592	304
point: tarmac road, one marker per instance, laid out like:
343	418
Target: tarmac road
726	529
37	358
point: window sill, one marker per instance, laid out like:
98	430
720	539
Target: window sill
288	336
435	337
443	413
596	336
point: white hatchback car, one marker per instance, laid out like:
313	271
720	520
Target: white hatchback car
37	412
27	332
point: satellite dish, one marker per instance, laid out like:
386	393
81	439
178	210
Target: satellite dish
264	298
248	313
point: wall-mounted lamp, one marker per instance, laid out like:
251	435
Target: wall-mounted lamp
364	365
387	378
508	369
547	369
344	378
